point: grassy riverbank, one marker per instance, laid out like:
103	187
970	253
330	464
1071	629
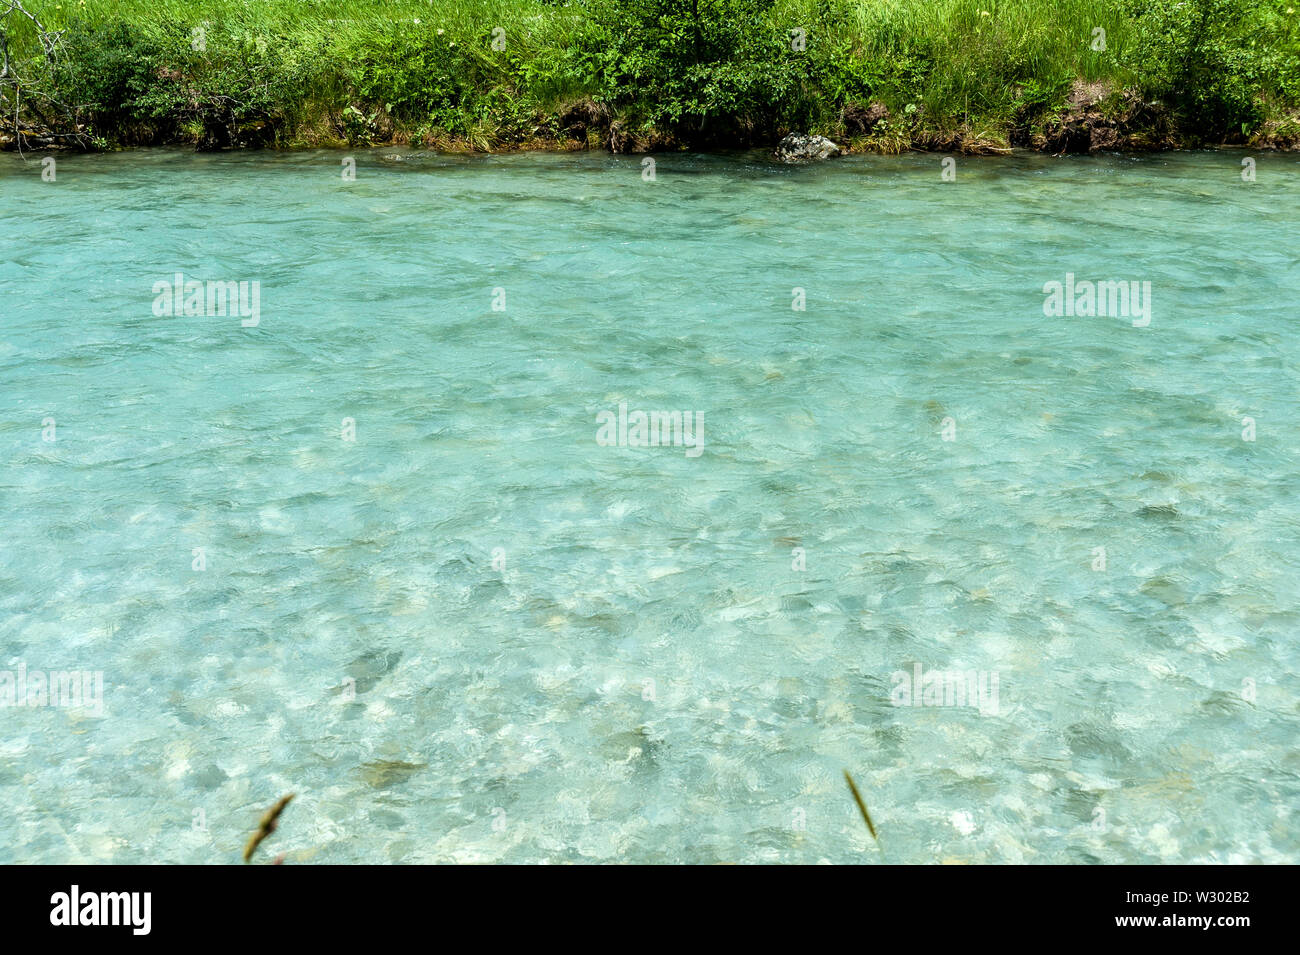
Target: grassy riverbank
629	75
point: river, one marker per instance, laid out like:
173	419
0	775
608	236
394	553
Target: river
563	507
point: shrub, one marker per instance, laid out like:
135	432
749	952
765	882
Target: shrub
113	71
701	69
1196	55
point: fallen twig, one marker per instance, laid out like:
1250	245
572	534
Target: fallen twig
862	806
266	827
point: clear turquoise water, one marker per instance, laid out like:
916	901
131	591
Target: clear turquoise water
506	714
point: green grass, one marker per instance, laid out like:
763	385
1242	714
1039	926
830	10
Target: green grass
333	71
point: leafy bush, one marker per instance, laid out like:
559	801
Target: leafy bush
701	69
414	74
113	71
1196	54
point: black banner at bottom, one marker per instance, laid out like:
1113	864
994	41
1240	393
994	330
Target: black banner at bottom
338	905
